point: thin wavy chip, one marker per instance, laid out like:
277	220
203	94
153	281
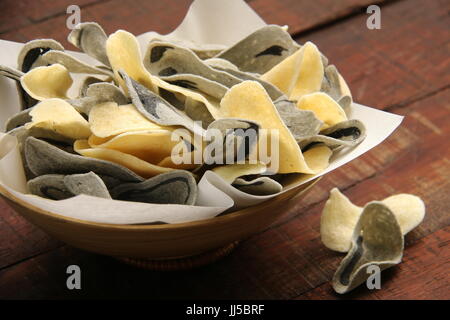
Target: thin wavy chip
284	75
334	85
31	53
376	241
86	183
331	83
91	39
238	139
273	91
409	210
197	83
10	73
105	91
21	133
175	187
30	57
346	103
140	167
206	53
59	187
311	72
249	100
44	158
86	83
73	64
98	93
346	100
168	162
202	50
261	50
261	186
47	82
219	63
59	116
230	173
324	107
339	217
302	123
124	54
151	146
344	87
50	186
108	119
300	74
318	158
164	59
18	120
338	221
198	111
347	133
156	109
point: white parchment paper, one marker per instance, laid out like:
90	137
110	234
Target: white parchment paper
208	22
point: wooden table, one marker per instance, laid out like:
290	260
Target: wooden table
403	68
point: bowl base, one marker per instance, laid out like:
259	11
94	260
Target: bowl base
183	263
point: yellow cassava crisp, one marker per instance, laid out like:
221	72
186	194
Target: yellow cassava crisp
324	107
141	167
249	100
47	82
154	146
59	116
108	119
340	216
231	172
301	73
318	158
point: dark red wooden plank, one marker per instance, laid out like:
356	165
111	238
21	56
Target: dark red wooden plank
302	15
19	239
137	16
141	16
15	14
406	59
10	16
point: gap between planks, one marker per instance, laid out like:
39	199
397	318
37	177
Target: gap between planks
354	12
32	21
15	263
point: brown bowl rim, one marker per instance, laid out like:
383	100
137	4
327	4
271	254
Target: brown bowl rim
181	225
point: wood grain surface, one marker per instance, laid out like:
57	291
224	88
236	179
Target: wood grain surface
403	68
